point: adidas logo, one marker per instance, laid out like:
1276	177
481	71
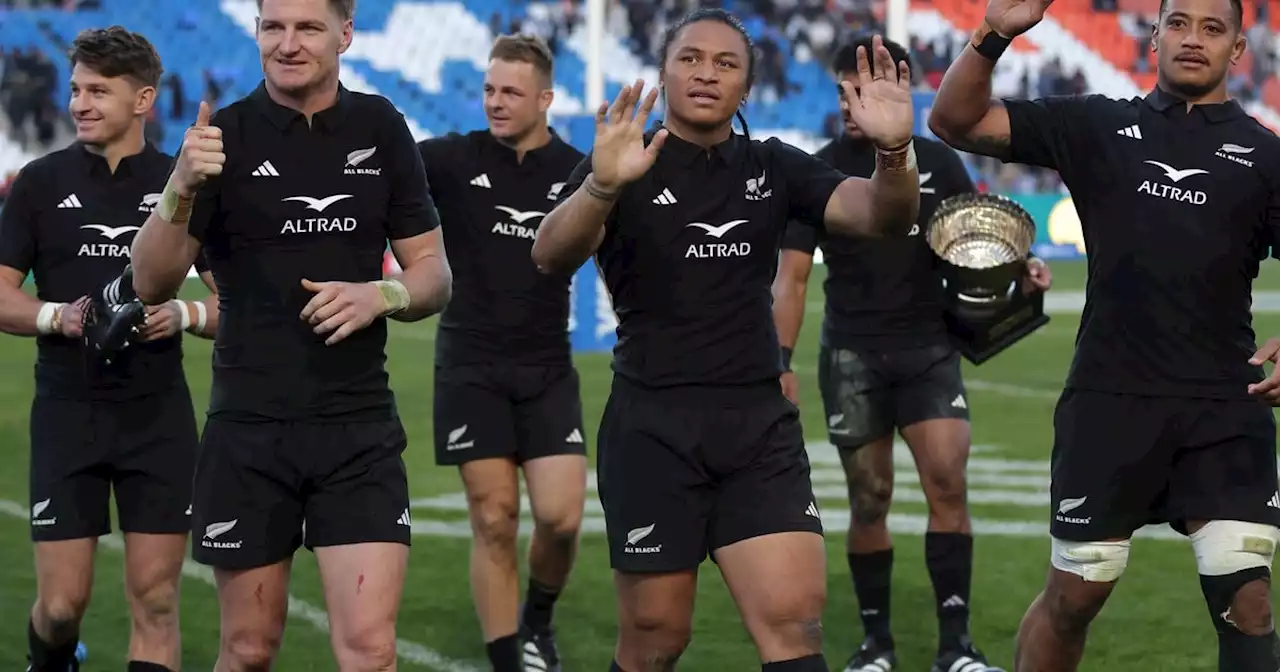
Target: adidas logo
1131	132
265	170
813	510
404	519
665	198
70	202
959	402
533	660
574	437
953	602
967	664
482	180
1274	502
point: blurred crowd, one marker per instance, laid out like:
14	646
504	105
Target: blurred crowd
785	32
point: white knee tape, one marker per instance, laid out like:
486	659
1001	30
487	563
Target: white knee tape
1093	561
1228	546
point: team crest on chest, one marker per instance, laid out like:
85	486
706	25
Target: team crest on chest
356	162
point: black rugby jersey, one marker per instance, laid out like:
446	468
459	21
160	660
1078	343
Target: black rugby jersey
1177	209
884	293
297	202
70	221
689	254
502	309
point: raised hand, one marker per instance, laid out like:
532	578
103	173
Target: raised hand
201	156
881	104
619	155
1011	18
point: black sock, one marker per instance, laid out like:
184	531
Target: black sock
504	654
814	663
949	557
615	667
1237	650
46	657
140	666
539	601
872	579
1247	653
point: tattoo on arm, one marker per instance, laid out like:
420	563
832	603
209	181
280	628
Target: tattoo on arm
988	145
993	142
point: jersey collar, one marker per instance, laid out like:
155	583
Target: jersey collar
95	164
533	157
685	153
1162	101
281	117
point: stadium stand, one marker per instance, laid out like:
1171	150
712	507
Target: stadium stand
426	56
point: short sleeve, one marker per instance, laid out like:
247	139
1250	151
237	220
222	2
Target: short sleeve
206	209
411	212
800	237
809	181
435	157
17	224
1050	132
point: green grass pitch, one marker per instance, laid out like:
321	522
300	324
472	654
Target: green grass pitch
1155	621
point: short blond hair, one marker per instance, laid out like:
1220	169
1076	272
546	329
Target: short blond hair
524	48
345	9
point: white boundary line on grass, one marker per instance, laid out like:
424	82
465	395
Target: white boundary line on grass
411	652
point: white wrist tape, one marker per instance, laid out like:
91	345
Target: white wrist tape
44	318
395	296
182	310
202	315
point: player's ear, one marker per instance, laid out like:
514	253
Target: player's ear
257	26
1237	49
144	100
545	98
348	32
1155	37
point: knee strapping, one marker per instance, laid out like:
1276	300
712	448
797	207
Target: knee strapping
1093	561
1225	547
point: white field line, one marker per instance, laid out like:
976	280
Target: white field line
992	481
410	652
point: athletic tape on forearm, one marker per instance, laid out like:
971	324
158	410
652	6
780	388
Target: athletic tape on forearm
47	321
395	296
174	208
183	311
898	160
202	316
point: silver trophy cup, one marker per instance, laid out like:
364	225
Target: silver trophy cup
982	242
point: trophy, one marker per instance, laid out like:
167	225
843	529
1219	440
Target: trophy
982	242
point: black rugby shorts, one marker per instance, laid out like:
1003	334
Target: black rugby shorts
685	471
145	448
256	483
1122	461
516	412
866	394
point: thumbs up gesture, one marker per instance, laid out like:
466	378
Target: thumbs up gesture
201	155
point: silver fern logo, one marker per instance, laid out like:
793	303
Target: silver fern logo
359	156
1235	153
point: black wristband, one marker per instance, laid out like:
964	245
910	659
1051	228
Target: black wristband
786	358
992	45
